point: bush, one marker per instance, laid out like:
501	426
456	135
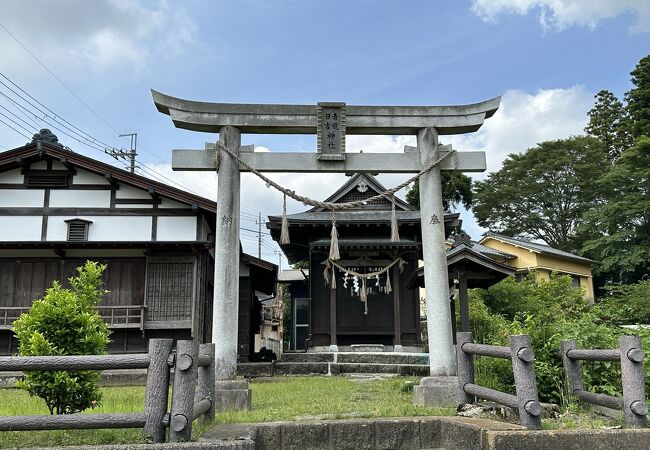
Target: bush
65	322
627	304
549	311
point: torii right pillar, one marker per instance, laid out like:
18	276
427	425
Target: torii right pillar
440	388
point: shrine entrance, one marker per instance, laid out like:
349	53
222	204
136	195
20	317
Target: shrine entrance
331	122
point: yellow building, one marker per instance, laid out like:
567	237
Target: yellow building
525	256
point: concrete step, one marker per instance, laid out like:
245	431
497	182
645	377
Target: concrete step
383	358
254	370
397	369
308	357
358	357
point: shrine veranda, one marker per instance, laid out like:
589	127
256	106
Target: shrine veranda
331	121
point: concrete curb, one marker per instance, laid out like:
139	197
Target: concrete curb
456	433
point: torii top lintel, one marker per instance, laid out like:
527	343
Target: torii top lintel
302	119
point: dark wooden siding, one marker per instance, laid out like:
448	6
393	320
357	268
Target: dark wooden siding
243	330
409	307
24	280
320	302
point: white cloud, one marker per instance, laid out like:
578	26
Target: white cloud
98	35
524	119
560	14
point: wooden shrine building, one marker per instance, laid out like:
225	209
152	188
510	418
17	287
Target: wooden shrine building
337	317
59	208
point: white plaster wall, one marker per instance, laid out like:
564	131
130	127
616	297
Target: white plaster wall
176	228
39	165
20	228
85	177
21	197
80	198
12	176
133	206
104	228
57	165
126	191
167	203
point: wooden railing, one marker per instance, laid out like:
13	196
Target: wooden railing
122	316
127	316
630	354
10	313
521	354
190	360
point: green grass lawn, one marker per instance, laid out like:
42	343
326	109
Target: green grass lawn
291	398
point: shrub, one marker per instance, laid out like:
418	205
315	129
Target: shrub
627	304
548	311
65	322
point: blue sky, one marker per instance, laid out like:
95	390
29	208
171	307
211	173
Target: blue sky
546	57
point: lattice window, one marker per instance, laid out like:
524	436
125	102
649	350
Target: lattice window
78	230
354	195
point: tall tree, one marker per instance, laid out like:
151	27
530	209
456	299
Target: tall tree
543	192
608	124
618	227
456	190
638	99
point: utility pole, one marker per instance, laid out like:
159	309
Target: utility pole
279	253
259	235
124	154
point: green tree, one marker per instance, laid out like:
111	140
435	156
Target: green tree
65	322
608	123
638	99
543	192
617	229
456	190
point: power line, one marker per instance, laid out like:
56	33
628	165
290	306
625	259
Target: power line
19	132
13	121
54	116
86	138
57	79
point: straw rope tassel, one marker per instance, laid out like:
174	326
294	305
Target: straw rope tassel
326	273
389	288
394	227
284	234
333	277
334	243
363	296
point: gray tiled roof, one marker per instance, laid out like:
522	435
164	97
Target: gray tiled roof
354	216
537	247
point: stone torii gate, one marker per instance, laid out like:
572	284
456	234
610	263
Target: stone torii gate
331	122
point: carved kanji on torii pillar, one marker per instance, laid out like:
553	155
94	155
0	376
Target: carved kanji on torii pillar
332	122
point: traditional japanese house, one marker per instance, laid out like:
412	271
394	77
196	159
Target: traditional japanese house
59	208
338	318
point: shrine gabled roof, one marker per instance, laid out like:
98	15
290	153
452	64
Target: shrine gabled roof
364	186
486	270
368	243
350	216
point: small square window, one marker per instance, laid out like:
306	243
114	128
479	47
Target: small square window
575	281
78	230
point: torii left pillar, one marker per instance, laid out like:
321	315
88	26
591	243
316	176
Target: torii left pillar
231	394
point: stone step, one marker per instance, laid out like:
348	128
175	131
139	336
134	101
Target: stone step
358	357
308	357
383	358
397	369
324	368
